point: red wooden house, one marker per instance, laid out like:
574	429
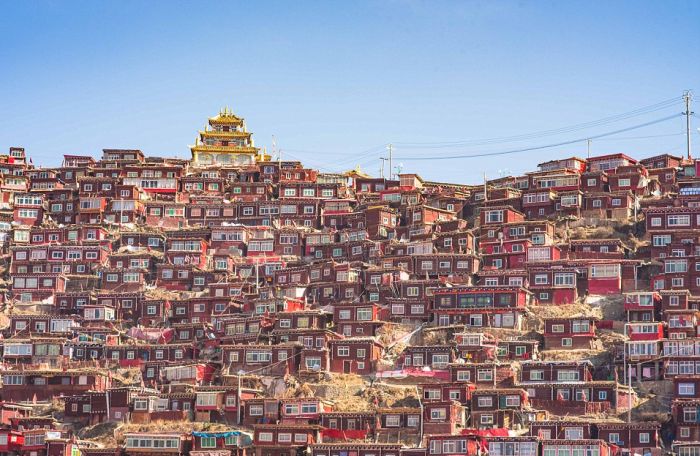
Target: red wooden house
642	306
283	439
500	407
340	426
590	446
358	355
355	448
480	306
276	360
640	437
303	410
564	333
443	417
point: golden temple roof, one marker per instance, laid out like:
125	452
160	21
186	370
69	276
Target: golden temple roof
357	172
226	116
225	134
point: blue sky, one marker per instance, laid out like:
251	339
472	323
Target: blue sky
335	80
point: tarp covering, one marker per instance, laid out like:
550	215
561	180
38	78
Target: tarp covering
413	372
216	434
151	334
495	432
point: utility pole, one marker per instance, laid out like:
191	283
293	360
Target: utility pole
588	147
629	394
486	190
276	152
381	170
257	276
687	96
391	150
238	398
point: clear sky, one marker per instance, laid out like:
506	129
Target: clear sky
336	80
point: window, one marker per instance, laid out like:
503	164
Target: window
431	394
438	414
562	279
569	200
486	419
672	266
686	389
463	376
440	360
284	437
208	442
258	357
541	279
581	326
265	437
364	314
568	376
566	342
624	182
392	421
677	220
605	270
484	375
690	414
536	375
643	437
494	216
343	350
300	438
661	240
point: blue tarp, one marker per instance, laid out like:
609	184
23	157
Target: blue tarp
216	434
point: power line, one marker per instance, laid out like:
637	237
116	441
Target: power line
568	129
548	146
365	153
350	157
624	138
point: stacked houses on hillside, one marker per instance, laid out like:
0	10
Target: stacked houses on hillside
235	299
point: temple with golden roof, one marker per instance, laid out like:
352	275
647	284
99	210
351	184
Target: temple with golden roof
225	141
